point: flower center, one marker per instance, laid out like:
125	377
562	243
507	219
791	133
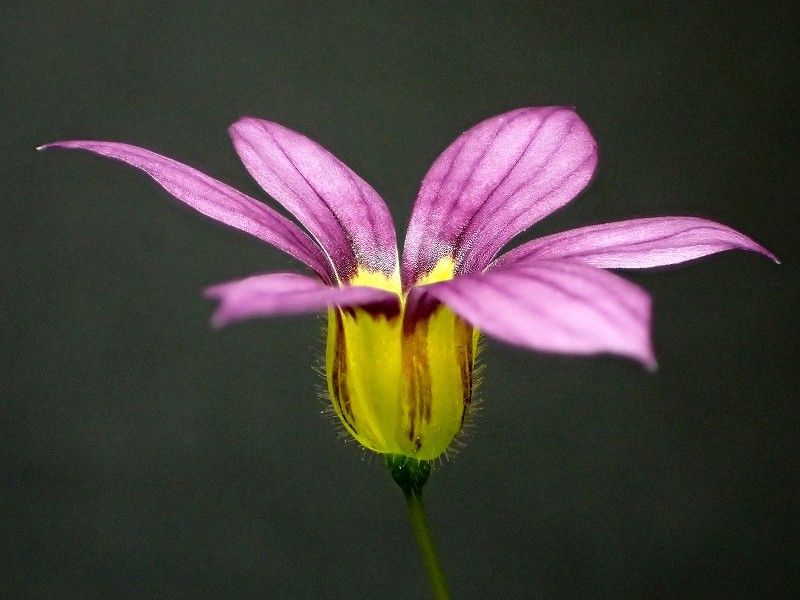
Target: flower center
401	385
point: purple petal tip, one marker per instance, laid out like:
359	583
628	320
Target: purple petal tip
756	247
761	250
212	293
650	363
51	145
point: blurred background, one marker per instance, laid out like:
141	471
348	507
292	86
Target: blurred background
145	455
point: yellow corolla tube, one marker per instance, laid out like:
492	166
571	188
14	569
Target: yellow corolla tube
401	383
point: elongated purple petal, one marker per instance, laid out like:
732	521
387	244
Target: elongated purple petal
346	216
494	181
635	244
289	294
552	305
213	199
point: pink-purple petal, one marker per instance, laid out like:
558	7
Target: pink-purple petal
213	199
494	181
345	215
289	294
635	244
552	305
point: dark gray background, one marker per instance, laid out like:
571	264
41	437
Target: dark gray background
145	455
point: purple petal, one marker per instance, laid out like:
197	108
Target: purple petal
346	216
213	199
552	305
288	294
638	243
497	179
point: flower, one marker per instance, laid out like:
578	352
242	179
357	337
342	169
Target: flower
402	336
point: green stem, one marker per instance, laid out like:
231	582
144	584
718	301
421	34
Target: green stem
422	531
412	475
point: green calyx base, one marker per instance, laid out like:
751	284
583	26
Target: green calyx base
409	473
